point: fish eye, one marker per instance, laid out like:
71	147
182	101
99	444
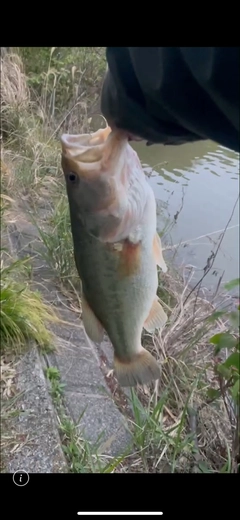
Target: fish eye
72	177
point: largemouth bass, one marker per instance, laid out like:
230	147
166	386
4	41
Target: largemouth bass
116	247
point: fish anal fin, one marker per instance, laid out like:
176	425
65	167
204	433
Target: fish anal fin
156	318
157	253
92	325
141	369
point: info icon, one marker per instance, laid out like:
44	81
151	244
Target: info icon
21	478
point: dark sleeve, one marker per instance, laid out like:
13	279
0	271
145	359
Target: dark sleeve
173	95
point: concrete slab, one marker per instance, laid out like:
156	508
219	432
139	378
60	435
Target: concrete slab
101	422
40	448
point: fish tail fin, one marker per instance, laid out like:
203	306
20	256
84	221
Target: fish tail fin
141	369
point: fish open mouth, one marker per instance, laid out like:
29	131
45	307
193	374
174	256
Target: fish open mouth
86	140
95	147
85	147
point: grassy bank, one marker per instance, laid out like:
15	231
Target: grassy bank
187	422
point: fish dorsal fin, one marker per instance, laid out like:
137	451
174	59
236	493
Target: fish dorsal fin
157	251
156	318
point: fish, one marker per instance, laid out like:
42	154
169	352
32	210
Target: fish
117	249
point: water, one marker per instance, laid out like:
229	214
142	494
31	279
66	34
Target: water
199	185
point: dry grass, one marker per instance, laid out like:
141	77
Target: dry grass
14	90
200	425
8	372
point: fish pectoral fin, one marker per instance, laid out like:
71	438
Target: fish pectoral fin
157	252
141	369
129	259
92	325
156	318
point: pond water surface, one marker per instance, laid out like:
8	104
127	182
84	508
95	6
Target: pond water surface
196	186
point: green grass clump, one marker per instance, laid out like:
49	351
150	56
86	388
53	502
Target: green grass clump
23	313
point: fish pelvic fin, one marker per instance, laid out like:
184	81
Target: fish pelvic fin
157	253
156	318
92	325
141	369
